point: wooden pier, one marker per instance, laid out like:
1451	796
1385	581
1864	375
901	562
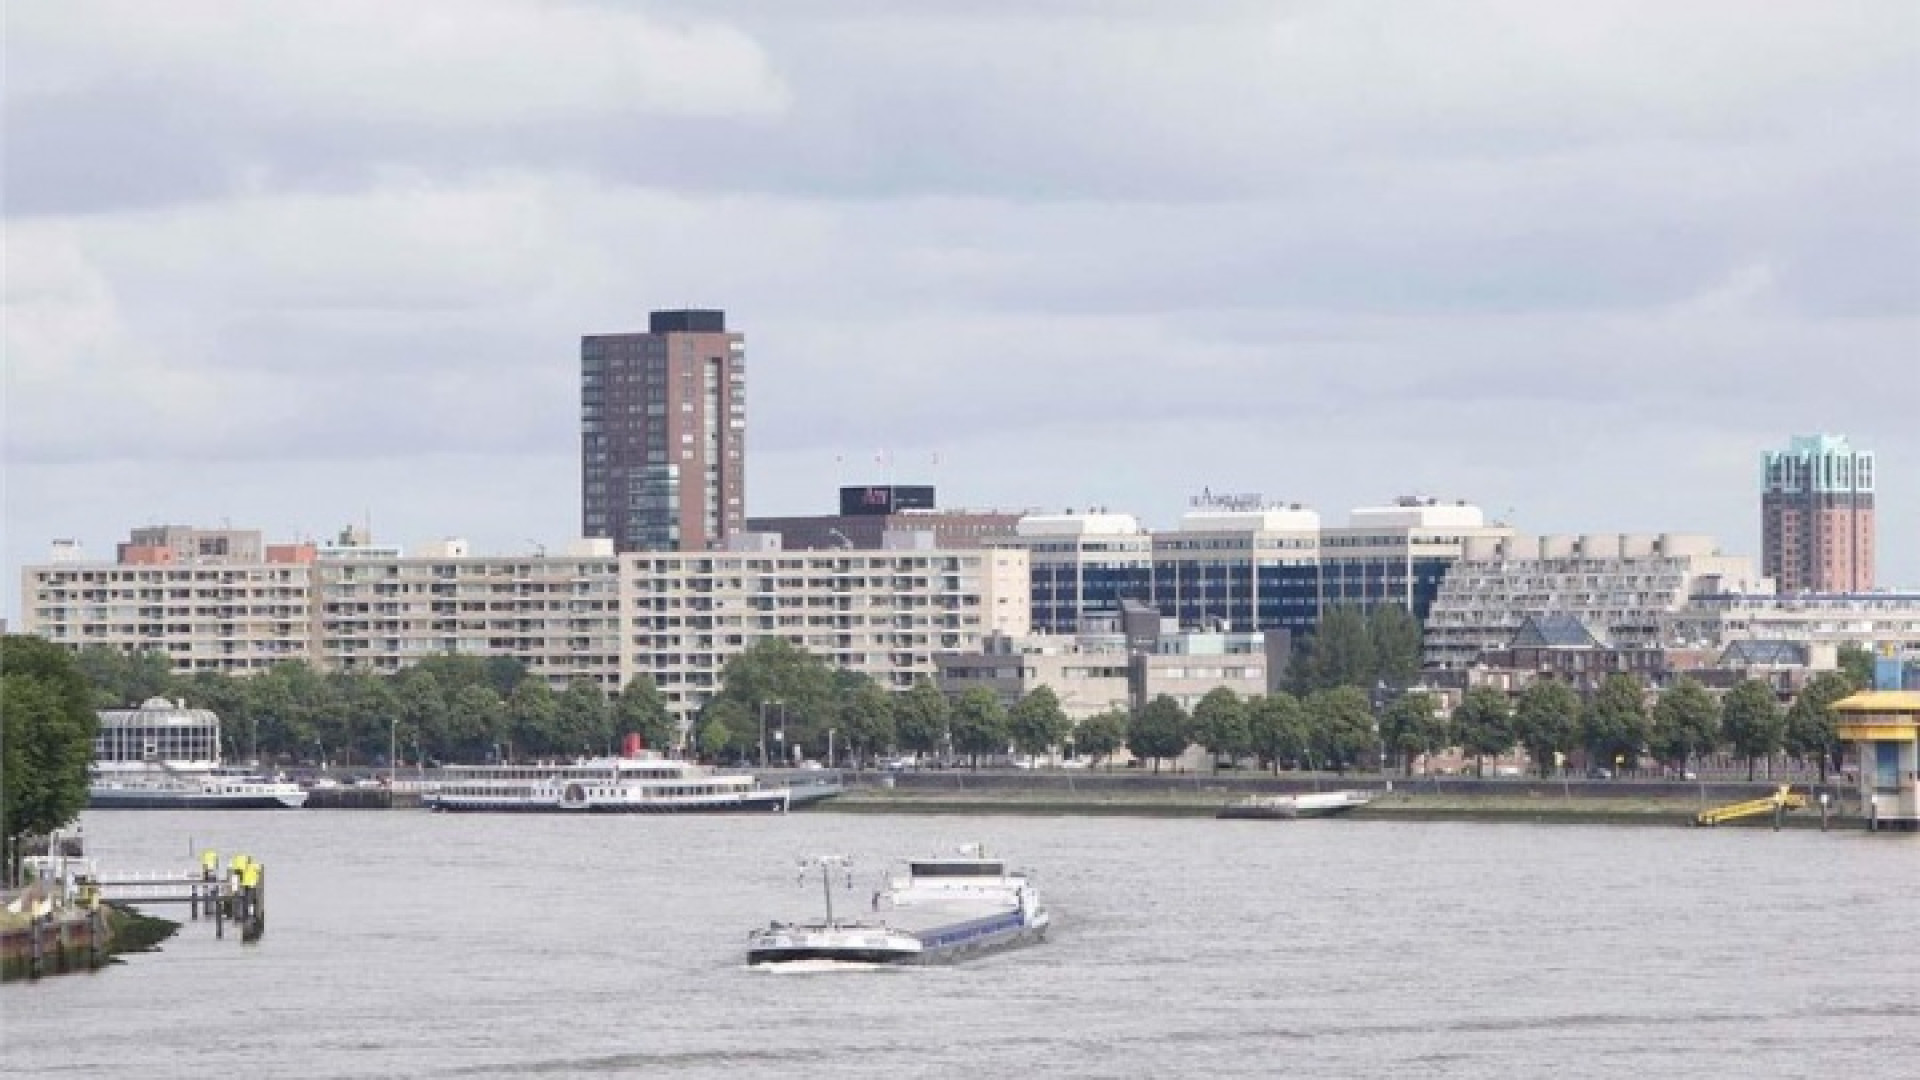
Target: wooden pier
239	895
67	925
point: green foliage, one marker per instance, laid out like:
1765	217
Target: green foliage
1811	732
1751	717
1220	725
533	716
1037	722
1277	729
423	711
1395	635
1546	721
47	724
866	719
1856	663
122	680
979	723
1102	735
639	709
1483	724
1686	723
477	725
1161	730
920	718
723	729
1340	653
586	719
1614	725
1340	728
774	671
1413	726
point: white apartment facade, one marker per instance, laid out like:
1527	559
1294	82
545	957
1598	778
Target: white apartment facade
583	613
1623	586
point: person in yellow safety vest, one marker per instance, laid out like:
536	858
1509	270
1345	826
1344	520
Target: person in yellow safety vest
250	875
209	864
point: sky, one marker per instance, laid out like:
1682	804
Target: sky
304	265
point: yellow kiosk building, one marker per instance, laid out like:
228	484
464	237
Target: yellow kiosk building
1884	727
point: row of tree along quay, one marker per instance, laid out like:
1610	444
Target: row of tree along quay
1352	703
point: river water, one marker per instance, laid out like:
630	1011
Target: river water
410	944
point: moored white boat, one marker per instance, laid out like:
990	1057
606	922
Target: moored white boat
643	784
166	756
1304	805
940	909
181	791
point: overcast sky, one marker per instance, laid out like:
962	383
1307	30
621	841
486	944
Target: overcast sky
298	265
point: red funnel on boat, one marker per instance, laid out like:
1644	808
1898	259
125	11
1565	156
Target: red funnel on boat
632	745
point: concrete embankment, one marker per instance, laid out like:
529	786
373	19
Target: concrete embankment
1666	803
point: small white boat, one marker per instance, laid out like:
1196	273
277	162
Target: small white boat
942	909
1303	805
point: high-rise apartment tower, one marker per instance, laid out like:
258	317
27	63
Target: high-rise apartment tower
663	432
1816	516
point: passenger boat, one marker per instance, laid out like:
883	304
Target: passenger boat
218	790
165	756
646	783
940	909
1303	805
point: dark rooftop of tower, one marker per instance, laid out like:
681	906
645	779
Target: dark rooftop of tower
688	321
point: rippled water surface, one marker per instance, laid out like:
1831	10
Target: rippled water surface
419	945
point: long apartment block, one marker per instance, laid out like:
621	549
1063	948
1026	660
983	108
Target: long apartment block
678	617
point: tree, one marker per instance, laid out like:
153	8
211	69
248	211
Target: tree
920	718
120	679
1395	635
866	719
1857	663
423	709
1161	730
1811	726
533	719
1340	727
639	709
584	719
47	724
477	725
1338	654
1484	725
774	671
1686	723
979	724
722	724
1614	724
1037	722
1413	727
1751	717
1546	721
1220	725
1102	735
1277	729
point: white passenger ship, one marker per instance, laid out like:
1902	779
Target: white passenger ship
942	909
647	784
165	756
